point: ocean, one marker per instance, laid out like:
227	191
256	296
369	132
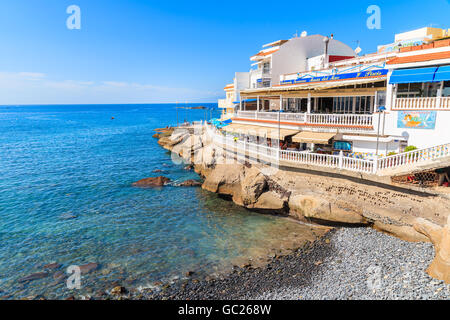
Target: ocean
66	197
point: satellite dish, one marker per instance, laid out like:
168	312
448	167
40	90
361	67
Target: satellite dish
303	34
358	50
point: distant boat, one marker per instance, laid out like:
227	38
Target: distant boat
199	107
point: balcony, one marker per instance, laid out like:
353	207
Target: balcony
312	119
428	103
260	78
224	103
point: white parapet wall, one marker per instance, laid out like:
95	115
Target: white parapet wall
421	128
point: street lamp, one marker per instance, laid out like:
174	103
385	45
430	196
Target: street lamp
380	110
326	40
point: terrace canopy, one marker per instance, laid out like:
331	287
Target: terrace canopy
413	75
264	132
442	74
313	137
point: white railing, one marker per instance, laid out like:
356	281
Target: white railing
358	165
267	116
362	120
298	117
445	103
317	159
247	114
231	143
340	119
441	103
414	157
371	166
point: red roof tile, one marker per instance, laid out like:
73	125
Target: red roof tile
420	58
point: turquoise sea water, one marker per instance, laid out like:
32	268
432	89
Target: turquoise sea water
59	161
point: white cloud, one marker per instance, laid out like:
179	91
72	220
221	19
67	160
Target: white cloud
38	88
31	75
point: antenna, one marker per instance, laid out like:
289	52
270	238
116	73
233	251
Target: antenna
358	48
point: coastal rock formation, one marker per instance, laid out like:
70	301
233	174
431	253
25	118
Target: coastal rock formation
253	185
152	182
440	237
311	196
310	206
270	201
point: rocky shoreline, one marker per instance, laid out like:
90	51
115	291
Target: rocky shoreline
346	259
347	263
314	197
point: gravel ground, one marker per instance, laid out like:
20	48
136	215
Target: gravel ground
367	264
347	263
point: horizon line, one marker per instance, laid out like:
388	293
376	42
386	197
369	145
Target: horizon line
99	104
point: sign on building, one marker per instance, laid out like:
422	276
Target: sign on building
416	119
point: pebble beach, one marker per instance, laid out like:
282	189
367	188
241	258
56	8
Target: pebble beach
346	264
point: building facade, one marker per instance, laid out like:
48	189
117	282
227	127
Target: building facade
327	99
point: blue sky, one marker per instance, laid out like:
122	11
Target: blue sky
130	51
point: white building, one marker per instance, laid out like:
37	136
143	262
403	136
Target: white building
326	98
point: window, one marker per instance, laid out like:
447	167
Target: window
381	98
446	91
342	145
417	90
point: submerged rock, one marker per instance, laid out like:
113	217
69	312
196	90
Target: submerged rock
67	216
59	276
118	290
34	276
89	267
152	182
190	183
54	265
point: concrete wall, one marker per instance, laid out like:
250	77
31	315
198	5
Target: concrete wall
292	56
370	146
241	82
425	32
421	138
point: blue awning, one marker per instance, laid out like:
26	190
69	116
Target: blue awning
246	100
413	75
442	74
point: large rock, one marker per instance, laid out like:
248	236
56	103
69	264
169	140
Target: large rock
440	237
270	201
177	137
224	179
404	232
318	208
152	182
253	184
